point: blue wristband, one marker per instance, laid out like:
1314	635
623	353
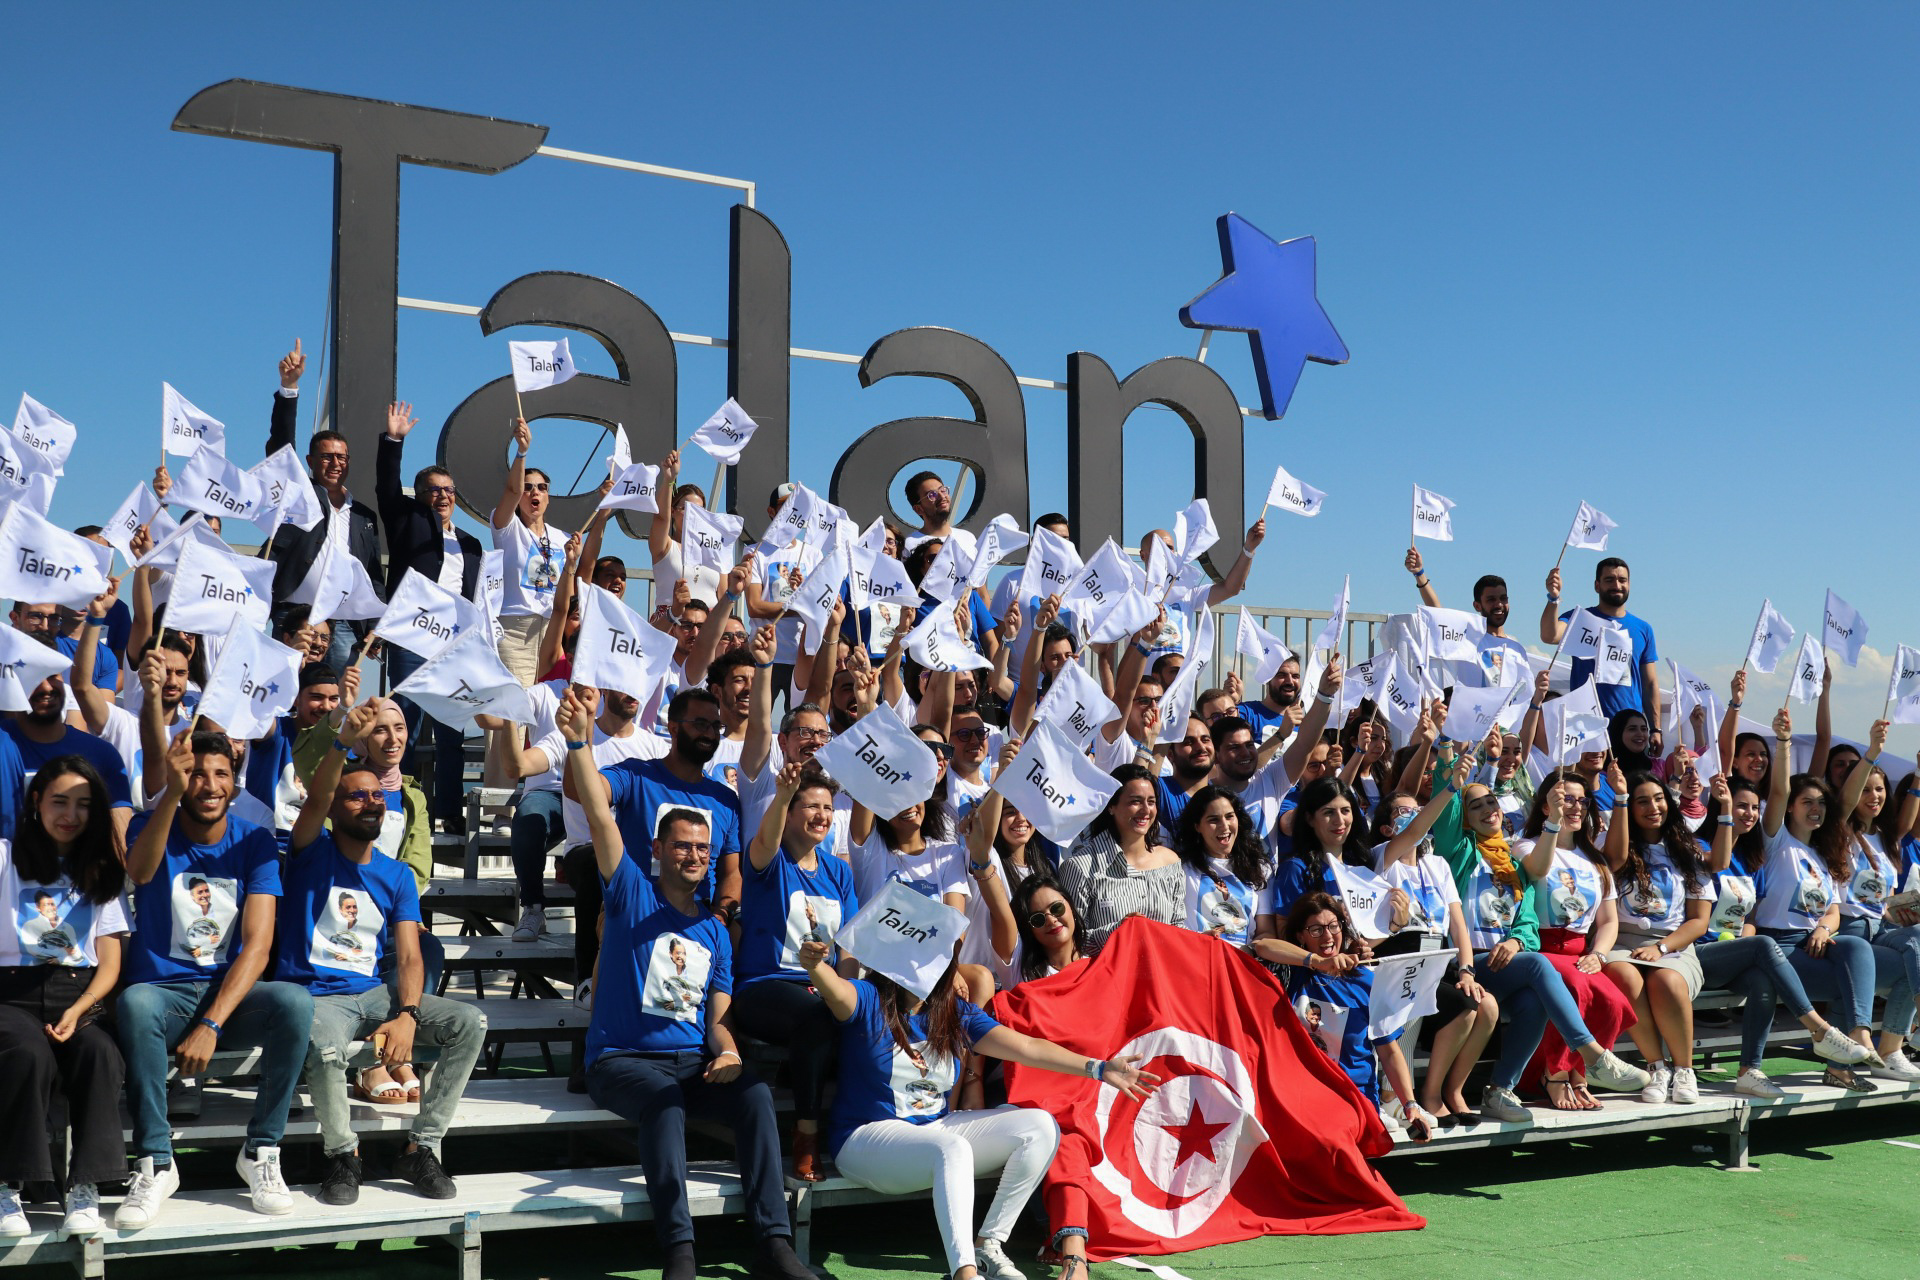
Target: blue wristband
342	747
576	746
1096	1067
211	1025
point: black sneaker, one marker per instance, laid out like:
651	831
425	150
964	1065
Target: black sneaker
342	1183
422	1168
778	1261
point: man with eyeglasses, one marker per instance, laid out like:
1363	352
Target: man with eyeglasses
932	501
1260	773
976	746
58	628
421	536
326	869
763	754
349	524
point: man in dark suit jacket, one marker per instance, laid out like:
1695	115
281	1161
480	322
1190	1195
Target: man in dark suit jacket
419	529
295	549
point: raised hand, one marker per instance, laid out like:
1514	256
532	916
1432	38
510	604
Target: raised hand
763	645
1234	687
572	717
1740	685
359	723
292	365
1256	534
1010	624
1047	614
162	481
574	544
1877	737
1722	793
788	782
522	435
1553	582
153	673
1783	724
400	419
1616	778
1415	565
669	470
179	764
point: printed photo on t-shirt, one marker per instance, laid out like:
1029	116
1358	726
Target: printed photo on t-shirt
1493	908
541	570
347	934
1732	906
1572	896
53	925
204	908
1810	897
920	1083
808	918
1654	899
677	973
1221	909
1869	886
1326	1023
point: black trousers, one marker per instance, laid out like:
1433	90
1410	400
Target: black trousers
87	1069
791	1013
582	871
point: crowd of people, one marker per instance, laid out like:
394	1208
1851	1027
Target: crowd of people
177	892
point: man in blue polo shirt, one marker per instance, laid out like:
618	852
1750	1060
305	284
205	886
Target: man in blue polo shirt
205	888
346	907
658	1043
1611	582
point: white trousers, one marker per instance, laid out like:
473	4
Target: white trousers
946	1155
520	646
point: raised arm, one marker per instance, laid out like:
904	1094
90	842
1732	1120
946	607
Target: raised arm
554	634
1020	718
1730	720
1539	859
1409	837
1551	628
1007	630
1781	781
1618	833
765	846
1417	567
758	744
984	863
1235	580
1863	767
1295	759
143	858
387	486
153	725
516	475
1126	677
660	528
823	661
313	811
286	411
1822	724
93	700
588	787
706	643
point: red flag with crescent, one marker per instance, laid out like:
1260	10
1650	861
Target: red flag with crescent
1252	1132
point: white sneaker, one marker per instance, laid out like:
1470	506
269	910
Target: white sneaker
83	1210
1389	1120
583	993
991	1261
264	1183
147	1190
1502	1105
13	1214
1835	1045
1899	1067
1608	1072
533	923
1753	1083
1686	1086
1659	1086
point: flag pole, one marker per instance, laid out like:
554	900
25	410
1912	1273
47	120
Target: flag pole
959	492
719	478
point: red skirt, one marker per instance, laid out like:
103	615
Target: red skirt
1603	1006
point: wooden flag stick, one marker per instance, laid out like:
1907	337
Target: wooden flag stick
959	493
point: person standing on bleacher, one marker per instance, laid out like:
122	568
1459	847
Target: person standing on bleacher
348	905
206	886
660	1041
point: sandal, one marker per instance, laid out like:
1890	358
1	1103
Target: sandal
1072	1266
411	1084
806	1157
1585	1098
1841	1078
390	1094
1564	1095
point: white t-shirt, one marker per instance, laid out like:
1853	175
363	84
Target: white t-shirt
1733	903
938	870
704	582
1795	887
532	567
1568	896
1428	883
1873	879
636	745
1661	907
122	732
50	924
773	573
452	563
1221	900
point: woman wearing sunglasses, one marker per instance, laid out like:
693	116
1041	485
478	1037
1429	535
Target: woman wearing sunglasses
535	554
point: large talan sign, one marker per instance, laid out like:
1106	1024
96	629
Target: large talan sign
370	142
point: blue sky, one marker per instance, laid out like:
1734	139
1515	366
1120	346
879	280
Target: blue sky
1656	257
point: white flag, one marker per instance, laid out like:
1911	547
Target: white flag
1397	694
1160	567
1432	515
726	433
1101	578
45	432
621	456
1000	539
1472	713
708	538
1585	630
635	488
1333	635
1293	495
1054	783
24	664
1360	681
214	486
492	587
185	430
1846	630
424	617
793	521
466	679
1690	691
1772	636
539	364
24	476
1052	562
1176	703
1194	531
1809	670
880	763
1590	529
874	538
1613	656
138	510
42	564
1368	905
877	578
1256	642
210	585
907	936
813	600
1076	703
1574	721
946	575
167	541
1404	988
1123	616
337	586
251	683
935	643
617	648
1903	686
290	496
1453	635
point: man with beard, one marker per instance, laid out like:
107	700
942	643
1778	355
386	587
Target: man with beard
406	832
41	733
182	1005
1190	764
1260	773
1612	583
932	501
1490	602
730	680
1267	714
350	1002
141	740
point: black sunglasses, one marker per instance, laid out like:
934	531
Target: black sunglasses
1057	911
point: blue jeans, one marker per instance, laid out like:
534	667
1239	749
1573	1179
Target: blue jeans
1896	965
538	824
1844	975
155	1017
1532	994
656	1090
1756	968
341	644
449	744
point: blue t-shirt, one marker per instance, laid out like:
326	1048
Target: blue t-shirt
1615	698
1335	1013
1255	713
337	916
783	905
106	667
119	628
186	925
13	784
657	970
96	751
1171	803
977	613
267	760
643	788
880	1082
1293	880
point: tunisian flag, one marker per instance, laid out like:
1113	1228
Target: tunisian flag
1252	1132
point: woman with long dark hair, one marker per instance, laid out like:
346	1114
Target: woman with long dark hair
1226	862
1328	823
62	886
1853	830
1052	934
1116	869
892	1131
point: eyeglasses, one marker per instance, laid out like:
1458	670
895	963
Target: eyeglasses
1054	911
810	735
37	618
333	459
703	724
978	732
537	487
1146	702
363	797
688	846
439	491
941	749
1321	930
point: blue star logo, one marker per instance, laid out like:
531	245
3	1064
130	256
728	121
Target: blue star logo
456	628
932	933
1268	294
906	777
274	687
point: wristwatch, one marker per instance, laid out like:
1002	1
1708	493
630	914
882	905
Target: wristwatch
411	1010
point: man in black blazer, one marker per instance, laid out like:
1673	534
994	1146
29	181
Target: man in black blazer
421	536
295	549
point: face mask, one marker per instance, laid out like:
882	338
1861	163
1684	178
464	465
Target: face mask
1401	821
